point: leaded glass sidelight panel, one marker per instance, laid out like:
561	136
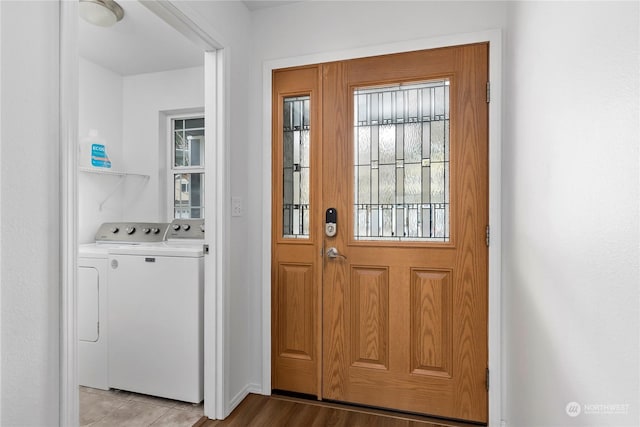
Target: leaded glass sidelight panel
401	162
295	167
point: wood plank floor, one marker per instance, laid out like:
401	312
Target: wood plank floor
275	411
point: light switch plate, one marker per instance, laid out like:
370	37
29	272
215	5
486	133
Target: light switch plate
236	206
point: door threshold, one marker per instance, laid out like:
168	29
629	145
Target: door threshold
310	399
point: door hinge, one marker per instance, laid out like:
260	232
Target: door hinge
488	92
487	379
487	235
98	328
205	249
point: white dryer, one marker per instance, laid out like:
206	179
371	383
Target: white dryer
156	315
92	316
93	294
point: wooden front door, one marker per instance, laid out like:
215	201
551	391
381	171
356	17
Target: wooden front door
392	310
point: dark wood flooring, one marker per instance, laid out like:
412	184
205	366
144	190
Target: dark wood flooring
275	411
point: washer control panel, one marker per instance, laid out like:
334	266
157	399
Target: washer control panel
132	232
186	229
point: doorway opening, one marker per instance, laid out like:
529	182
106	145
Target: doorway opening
379	274
493	320
212	61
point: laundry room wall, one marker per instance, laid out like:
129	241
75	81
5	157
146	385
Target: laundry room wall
100	109
147	98
126	111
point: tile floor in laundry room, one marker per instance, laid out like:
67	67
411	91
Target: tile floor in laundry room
125	409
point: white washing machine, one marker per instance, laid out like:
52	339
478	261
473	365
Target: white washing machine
92	294
156	315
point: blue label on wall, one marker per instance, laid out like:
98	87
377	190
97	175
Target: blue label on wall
99	157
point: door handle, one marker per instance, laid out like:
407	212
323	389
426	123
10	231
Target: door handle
332	252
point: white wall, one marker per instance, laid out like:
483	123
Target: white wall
327	26
145	97
29	200
570	209
100	109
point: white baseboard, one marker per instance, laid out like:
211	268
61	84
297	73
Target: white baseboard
239	397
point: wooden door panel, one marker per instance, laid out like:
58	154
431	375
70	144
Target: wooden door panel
413	338
430	325
296	269
336	338
401	67
295	353
295	311
369	317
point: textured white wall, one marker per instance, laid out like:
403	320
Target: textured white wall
312	27
100	109
29	203
570	210
145	96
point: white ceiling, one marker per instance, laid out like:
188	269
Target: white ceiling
140	43
143	43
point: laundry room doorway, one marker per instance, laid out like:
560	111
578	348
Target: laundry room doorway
113	181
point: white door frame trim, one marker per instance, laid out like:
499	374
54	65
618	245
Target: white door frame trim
69	393
216	82
494	37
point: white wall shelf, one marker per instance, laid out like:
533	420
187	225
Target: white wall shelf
122	177
111	172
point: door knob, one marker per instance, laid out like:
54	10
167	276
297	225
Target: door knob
333	253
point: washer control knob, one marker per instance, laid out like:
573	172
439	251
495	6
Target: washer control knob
131	230
176	227
146	230
155	230
186	227
114	229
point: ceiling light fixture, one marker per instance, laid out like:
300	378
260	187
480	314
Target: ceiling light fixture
103	13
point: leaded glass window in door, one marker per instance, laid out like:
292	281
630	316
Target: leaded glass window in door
401	162
295	171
